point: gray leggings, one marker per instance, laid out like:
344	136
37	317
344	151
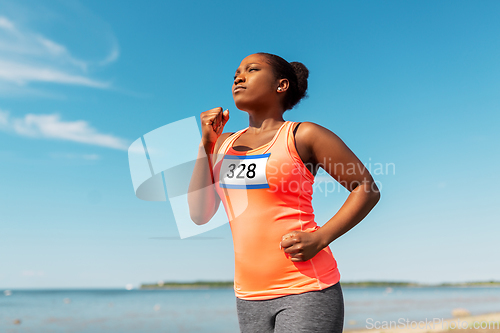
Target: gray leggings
313	311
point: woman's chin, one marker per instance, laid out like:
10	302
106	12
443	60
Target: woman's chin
242	106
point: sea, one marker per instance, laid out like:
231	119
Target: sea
214	310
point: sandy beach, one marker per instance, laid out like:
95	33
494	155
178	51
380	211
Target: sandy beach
486	323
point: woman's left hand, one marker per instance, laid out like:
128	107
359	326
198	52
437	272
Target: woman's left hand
301	246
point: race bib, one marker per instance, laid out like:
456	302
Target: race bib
245	171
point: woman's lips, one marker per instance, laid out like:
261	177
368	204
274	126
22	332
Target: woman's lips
238	88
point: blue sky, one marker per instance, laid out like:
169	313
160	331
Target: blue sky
411	83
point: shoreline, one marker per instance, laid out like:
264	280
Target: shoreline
446	325
183	287
196	287
361	284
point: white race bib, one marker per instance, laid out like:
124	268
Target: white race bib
244	171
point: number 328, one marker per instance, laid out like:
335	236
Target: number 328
249	174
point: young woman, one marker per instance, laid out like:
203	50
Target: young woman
286	278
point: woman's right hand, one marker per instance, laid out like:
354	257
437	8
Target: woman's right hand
212	124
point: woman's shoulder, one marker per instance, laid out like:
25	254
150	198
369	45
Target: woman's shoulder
221	140
307	130
308	134
308	125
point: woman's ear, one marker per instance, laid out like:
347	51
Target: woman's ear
282	85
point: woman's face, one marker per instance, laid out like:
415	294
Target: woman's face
255	85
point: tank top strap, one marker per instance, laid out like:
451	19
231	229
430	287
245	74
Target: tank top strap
283	137
279	138
228	142
294	154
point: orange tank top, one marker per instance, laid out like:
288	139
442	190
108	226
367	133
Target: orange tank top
267	193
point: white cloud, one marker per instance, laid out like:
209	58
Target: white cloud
52	47
112	56
71	156
22	73
4	119
32	273
27	56
6	24
50	126
90	156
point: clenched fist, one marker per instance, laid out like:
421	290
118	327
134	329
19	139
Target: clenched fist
301	246
212	124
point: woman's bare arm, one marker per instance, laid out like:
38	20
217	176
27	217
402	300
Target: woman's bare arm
323	148
202	198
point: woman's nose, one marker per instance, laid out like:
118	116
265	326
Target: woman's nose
238	79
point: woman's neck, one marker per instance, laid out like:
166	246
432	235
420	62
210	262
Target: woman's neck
263	121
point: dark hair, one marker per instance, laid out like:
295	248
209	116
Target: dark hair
295	72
